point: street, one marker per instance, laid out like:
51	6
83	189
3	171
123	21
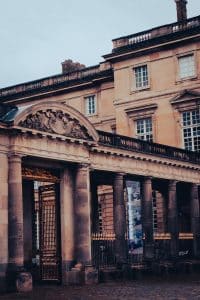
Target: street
151	288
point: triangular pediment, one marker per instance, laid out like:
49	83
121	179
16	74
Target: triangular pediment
187	99
186	95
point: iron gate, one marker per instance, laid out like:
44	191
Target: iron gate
50	259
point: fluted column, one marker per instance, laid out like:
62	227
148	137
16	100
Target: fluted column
148	219
119	218
173	219
15	214
195	215
82	215
67	220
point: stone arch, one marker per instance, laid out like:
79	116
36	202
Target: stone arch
56	118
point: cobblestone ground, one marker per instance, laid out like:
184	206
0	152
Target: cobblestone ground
153	289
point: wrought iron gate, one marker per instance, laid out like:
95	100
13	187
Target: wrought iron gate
50	260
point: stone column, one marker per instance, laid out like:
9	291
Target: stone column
82	215
148	219
15	213
16	275
67	221
119	219
173	219
195	215
3	219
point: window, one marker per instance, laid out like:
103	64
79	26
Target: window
141	77
186	66
91	107
144	129
191	130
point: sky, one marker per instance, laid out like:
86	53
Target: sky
36	36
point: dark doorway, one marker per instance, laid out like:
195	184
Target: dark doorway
42	230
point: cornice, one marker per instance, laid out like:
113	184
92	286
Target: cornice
155	44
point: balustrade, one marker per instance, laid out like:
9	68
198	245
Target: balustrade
133	144
156	32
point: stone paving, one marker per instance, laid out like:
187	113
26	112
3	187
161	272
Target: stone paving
152	289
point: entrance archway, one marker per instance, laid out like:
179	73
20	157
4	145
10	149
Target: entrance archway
41	200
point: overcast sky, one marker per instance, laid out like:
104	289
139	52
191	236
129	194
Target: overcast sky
36	36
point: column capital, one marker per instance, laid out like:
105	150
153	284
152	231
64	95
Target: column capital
15	156
147	179
172	184
83	165
119	176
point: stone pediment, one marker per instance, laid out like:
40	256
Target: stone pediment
57	119
187	99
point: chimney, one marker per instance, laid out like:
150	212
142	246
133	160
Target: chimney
181	10
70	66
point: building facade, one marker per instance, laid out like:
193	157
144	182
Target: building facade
100	166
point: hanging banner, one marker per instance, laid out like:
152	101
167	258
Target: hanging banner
135	244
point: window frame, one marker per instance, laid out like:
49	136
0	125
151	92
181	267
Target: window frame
182	55
191	127
142	112
146	133
86	105
136	88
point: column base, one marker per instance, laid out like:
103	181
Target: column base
75	276
91	275
79	275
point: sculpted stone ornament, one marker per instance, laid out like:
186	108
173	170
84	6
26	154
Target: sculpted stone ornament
56	121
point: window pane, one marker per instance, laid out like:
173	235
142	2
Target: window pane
186	66
141	76
90	102
144	129
191	130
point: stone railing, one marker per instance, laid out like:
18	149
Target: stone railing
156	32
53	80
133	144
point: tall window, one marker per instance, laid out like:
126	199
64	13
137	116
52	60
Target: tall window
90	105
186	66
191	130
141	77
144	129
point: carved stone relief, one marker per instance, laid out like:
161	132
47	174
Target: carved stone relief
39	174
56	121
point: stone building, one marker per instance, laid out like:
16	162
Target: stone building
99	167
